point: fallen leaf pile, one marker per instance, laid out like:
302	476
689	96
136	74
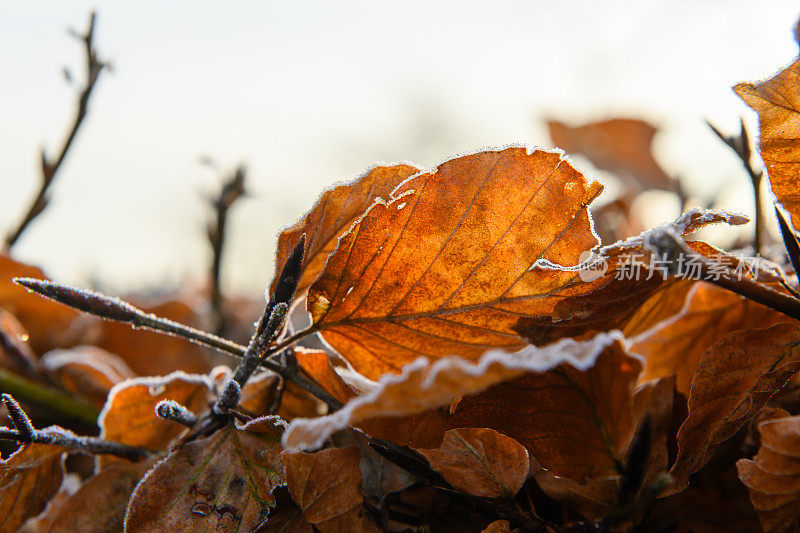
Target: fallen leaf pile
461	352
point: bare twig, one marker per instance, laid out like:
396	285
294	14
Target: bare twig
740	144
25	433
114	309
790	242
683	261
50	167
231	190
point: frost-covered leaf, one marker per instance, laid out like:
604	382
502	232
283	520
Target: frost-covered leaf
223	482
129	413
334	212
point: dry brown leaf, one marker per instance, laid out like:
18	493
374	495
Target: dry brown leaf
777	103
379	476
49	324
42	522
773	476
439	268
595	378
622	146
498	526
99	504
129	414
481	462
316	364
223	482
327	487
675	345
150	354
259	393
86	371
735	379
28	479
334	212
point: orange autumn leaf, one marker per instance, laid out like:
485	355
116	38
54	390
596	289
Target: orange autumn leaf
439	268
736	377
622	146
28	479
675	345
129	417
316	364
332	215
15	350
326	485
481	462
773	475
222	482
777	102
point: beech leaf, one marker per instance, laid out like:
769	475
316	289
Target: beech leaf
773	476
481	462
28	479
331	216
223	482
777	103
736	377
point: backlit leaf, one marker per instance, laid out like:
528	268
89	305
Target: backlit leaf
777	102
332	215
86	371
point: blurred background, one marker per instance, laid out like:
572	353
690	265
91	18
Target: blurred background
310	93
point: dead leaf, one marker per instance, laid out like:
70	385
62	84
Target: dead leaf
773	476
622	146
675	345
595	378
86	371
129	413
99	504
258	394
327	487
334	212
316	364
438	268
481	462
735	379
41	523
777	103
498	526
223	482
379	476
28	479
15	351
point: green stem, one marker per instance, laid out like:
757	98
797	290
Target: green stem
53	400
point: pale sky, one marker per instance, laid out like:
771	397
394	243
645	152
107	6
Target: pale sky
310	93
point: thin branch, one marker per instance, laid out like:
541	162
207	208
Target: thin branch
25	433
740	144
50	168
175	412
683	261
789	241
114	309
231	190
52	400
